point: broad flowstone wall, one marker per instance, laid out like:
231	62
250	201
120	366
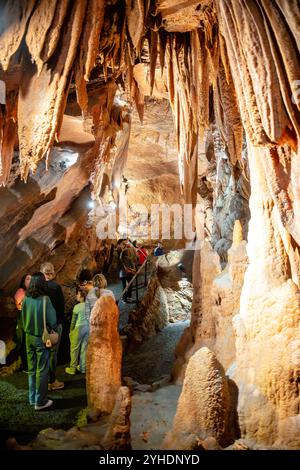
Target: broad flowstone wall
267	328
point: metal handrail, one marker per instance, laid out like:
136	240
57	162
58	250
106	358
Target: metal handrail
134	277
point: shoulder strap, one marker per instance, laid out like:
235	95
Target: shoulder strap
44	311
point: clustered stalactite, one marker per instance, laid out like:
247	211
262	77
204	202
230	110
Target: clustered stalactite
233	66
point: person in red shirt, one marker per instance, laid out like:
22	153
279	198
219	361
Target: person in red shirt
20	336
142	254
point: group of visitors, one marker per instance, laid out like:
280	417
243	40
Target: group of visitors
40	295
39	362
87	294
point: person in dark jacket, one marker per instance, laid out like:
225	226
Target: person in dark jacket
54	292
159	251
128	261
37	354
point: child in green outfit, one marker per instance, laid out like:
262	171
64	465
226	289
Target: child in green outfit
79	335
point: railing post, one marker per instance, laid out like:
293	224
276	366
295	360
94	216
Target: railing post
136	290
145	275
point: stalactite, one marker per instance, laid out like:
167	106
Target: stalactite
291	14
53	34
13	26
7	142
39	25
229	121
39	119
89	48
135	13
153	57
163	37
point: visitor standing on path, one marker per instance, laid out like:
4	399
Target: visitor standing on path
54	292
159	251
20	335
98	290
79	335
37	353
128	261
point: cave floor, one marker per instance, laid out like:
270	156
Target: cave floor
19	420
154	358
152	412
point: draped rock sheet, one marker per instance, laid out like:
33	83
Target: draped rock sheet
8	131
39	25
89	48
13	22
42	97
263	70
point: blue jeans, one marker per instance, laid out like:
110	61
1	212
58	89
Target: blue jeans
79	340
38	369
53	356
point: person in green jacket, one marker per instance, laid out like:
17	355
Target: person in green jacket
37	353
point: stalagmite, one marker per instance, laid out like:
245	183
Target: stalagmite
104	356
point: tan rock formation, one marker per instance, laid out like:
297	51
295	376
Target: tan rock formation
201	331
268	350
150	317
104	356
204	405
117	436
226	292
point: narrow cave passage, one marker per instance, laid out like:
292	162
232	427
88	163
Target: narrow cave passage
162	131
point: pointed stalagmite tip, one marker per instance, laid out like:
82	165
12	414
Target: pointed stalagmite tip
237	236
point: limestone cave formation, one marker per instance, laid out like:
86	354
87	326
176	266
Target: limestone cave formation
111	107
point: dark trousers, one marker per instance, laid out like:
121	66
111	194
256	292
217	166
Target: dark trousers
21	344
53	356
38	368
125	281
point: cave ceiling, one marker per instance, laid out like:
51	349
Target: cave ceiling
232	62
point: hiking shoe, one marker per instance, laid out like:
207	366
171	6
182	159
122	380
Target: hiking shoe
43	407
56	385
70	370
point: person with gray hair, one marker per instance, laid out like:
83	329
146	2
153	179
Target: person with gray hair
54	292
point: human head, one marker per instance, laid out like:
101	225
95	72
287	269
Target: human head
85	276
25	281
159	244
80	294
48	270
99	280
36	286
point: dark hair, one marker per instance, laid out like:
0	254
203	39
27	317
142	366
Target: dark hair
81	291
22	283
85	275
36	287
39	274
